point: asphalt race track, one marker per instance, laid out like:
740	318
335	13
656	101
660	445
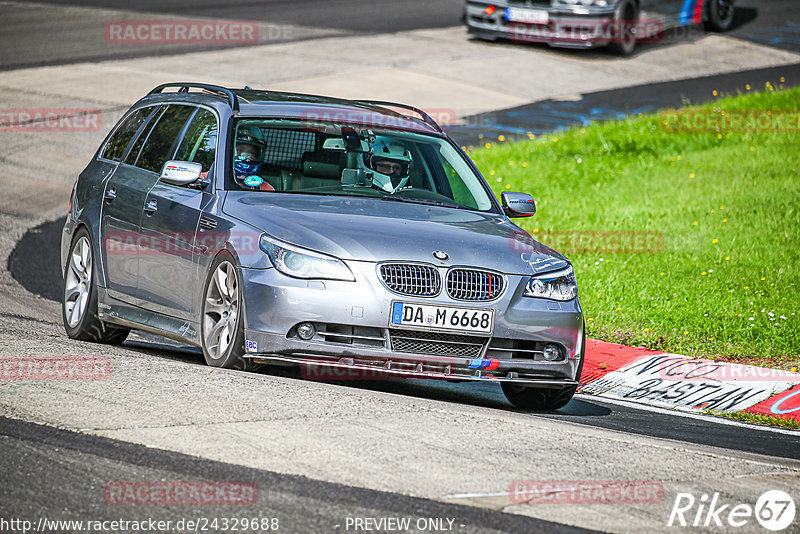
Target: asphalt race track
552	115
37	35
302	505
323	453
30	32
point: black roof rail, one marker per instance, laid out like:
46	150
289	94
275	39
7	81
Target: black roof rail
184	88
425	117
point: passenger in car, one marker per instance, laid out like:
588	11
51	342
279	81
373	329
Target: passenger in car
249	161
390	162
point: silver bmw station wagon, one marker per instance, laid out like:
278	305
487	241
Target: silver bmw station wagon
277	228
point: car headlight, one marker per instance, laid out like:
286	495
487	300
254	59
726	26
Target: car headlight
558	285
303	263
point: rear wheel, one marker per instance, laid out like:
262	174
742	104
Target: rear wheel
222	328
624	38
720	15
79	307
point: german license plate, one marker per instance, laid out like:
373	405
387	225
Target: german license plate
528	16
448	318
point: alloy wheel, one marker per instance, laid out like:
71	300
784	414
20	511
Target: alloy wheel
724	9
78	282
221	310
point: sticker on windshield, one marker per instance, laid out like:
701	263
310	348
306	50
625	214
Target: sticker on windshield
253	181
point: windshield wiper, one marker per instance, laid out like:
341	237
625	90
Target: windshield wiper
426	201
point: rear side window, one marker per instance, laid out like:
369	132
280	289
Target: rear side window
285	148
199	145
116	146
133	153
160	144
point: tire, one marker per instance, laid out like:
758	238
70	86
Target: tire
528	398
720	15
484	38
626	15
79	303
222	320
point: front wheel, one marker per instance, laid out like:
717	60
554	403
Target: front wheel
720	15
625	20
529	398
79	307
222	328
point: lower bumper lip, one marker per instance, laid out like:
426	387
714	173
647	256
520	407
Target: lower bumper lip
385	369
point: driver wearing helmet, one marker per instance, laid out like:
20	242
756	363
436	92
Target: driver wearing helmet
249	159
390	163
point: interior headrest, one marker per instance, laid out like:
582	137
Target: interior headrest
323	164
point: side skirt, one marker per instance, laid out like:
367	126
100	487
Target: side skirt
114	311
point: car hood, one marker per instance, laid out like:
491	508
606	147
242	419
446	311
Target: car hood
367	229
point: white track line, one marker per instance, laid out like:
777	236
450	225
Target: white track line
680	413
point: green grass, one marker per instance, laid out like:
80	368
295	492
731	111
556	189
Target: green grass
725	283
769	420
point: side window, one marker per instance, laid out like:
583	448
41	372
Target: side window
459	191
116	146
199	145
160	143
468	193
136	148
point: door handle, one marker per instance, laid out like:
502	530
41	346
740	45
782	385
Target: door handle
111	194
151	207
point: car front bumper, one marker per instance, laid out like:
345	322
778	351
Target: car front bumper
567	26
354	339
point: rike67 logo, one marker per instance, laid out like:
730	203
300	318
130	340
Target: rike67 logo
774	510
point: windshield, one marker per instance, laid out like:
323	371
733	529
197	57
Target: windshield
278	156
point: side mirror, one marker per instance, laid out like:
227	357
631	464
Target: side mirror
518	204
180	172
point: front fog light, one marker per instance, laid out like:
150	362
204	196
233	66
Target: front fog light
306	331
551	353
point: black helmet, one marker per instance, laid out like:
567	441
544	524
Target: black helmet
251	135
